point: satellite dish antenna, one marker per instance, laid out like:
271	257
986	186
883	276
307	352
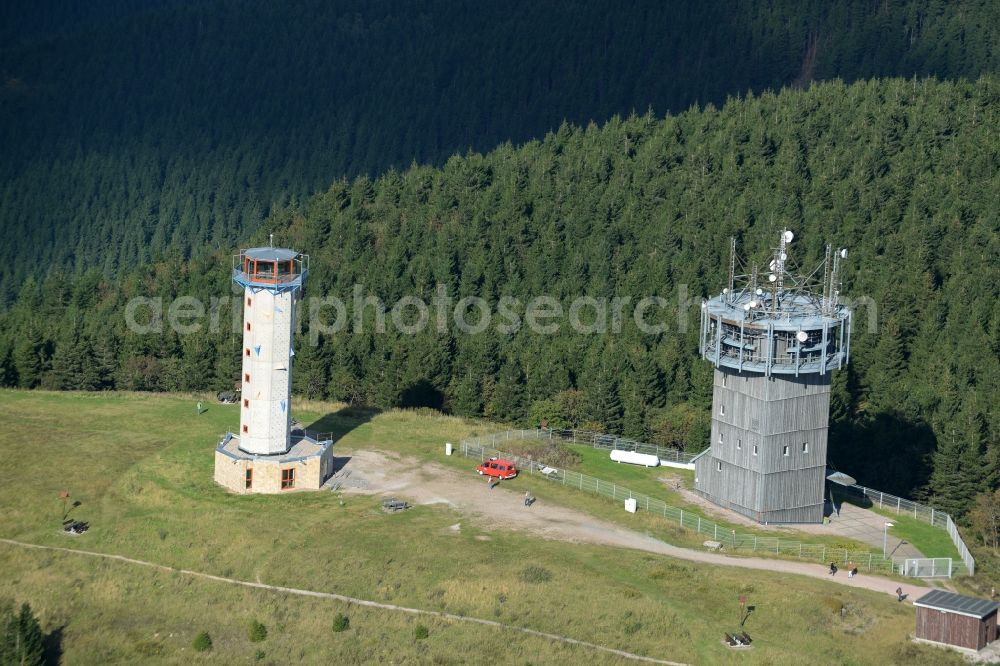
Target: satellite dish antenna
843	253
747	307
759	292
788	236
772	265
726	290
801	336
784	256
772	278
753	304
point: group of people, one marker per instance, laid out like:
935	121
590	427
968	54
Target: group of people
852	570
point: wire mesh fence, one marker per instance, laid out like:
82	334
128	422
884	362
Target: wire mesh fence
486	447
922	512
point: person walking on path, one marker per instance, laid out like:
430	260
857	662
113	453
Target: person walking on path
527	498
833	568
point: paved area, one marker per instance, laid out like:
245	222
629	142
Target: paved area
852	522
430	483
865	526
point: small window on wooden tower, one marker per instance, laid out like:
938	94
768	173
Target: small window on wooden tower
722	409
755	449
739	443
246	402
718	466
721	437
805	447
723	381
249	478
288	478
246	429
784	450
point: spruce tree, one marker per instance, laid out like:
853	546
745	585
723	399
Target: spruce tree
508	401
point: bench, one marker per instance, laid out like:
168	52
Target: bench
713	545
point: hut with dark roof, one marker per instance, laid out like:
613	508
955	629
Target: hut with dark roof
956	620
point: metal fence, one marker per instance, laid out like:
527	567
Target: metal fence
922	512
485	447
597	440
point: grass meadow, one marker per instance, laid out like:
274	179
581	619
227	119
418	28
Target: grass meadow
141	467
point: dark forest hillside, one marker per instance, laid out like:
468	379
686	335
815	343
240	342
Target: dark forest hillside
131	130
904	172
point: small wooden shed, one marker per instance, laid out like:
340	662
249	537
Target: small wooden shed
956	620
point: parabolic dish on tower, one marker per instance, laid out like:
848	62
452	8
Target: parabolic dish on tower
788	236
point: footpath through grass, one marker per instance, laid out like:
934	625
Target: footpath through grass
141	468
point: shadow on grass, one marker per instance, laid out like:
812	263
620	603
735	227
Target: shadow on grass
52	647
343	421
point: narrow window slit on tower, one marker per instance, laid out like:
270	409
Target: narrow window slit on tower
246	429
248	326
246	378
249	478
246	402
246	352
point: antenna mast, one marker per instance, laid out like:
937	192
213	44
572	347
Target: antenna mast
732	266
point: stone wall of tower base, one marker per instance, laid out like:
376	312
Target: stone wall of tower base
310	473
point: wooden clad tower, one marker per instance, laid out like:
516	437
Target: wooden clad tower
774	338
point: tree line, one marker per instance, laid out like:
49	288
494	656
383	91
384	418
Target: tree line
132	132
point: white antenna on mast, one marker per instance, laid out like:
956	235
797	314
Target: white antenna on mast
272	240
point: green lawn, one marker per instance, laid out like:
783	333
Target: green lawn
141	466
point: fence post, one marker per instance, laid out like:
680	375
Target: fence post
824	554
682	516
699	524
716	531
755	543
869	561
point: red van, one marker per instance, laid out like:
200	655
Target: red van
498	467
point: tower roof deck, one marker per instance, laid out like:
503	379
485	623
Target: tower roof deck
792	311
272	268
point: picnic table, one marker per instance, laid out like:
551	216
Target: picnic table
393	505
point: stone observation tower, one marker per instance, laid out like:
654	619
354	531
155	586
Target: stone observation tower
267	455
774	337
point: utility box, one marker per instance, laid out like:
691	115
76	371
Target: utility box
630	505
447	448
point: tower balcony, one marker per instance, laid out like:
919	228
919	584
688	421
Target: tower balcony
270	268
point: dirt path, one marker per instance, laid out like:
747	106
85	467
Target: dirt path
350	600
381	473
